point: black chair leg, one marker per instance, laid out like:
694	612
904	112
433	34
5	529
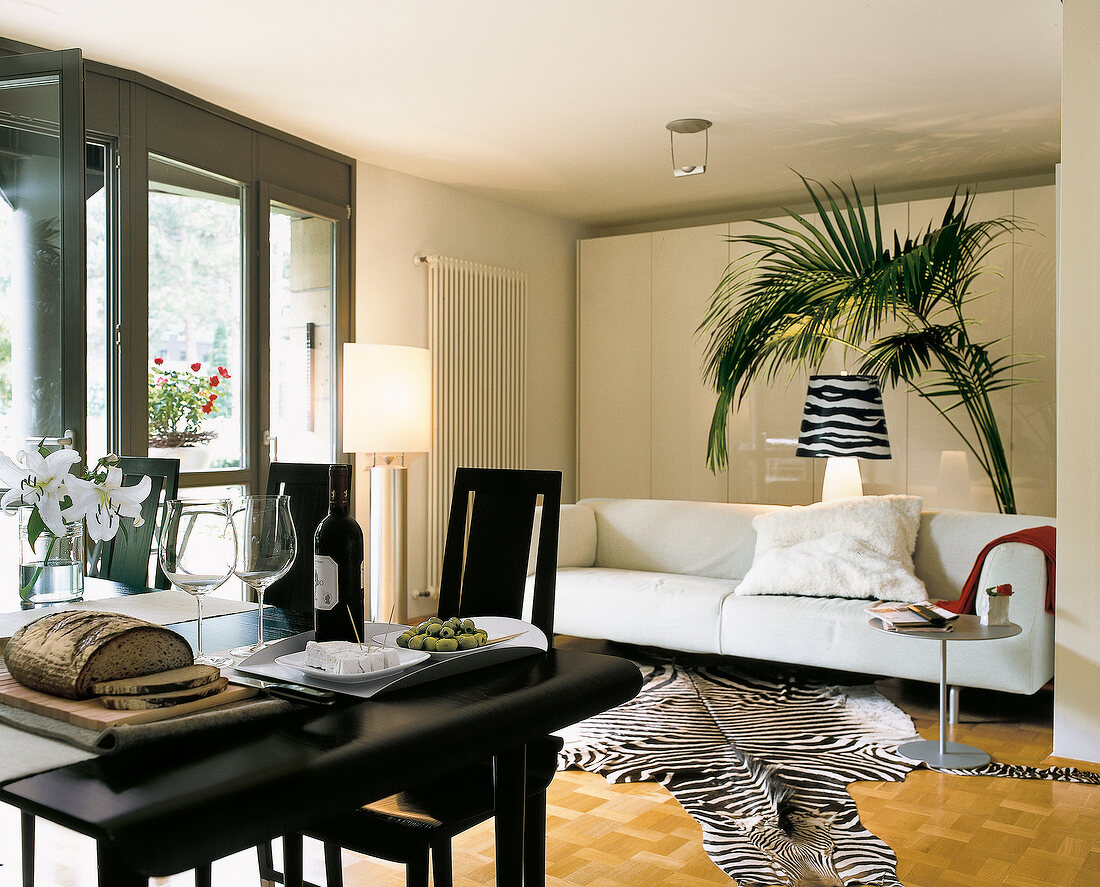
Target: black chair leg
202	876
334	872
416	870
442	874
267	863
26	829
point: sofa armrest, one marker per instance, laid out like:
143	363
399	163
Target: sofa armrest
576	537
1024	568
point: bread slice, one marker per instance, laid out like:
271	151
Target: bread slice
159	682
65	653
163	700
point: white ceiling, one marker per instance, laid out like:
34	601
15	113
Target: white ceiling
561	106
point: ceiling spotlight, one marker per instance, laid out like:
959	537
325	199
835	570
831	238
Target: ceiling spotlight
693	152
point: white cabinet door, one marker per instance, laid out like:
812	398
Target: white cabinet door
614	367
688	263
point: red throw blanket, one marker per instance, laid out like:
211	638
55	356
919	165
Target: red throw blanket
1041	537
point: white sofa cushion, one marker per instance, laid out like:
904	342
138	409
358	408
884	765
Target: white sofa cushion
678	612
849	548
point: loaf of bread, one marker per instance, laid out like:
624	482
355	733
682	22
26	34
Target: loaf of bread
164	700
65	653
159	682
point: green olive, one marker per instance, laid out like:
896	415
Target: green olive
467	641
416	642
446	645
435	628
468	625
403	640
446	632
430	643
435	620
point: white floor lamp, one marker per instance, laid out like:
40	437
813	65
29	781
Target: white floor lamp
843	421
387	413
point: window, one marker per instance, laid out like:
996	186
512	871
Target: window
210	240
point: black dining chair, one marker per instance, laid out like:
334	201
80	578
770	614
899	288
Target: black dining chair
307	485
493	519
126	558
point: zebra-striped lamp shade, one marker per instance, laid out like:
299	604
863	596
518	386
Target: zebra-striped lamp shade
843	417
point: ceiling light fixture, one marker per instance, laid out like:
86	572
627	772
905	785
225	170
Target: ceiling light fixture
689	148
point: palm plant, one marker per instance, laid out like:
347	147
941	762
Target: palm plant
902	309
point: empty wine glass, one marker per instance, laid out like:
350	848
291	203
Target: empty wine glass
266	546
198	551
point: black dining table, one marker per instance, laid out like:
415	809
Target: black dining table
163	808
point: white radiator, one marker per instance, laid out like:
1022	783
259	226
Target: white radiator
477	334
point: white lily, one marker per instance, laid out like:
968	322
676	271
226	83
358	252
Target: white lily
104	504
42	483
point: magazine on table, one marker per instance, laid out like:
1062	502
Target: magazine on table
926	616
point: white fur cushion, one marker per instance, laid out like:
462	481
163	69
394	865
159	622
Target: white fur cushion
850	548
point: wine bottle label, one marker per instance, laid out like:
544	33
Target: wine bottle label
326	585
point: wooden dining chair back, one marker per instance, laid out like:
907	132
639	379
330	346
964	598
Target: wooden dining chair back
306	484
495	516
126	558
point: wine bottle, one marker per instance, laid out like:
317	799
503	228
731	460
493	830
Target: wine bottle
338	599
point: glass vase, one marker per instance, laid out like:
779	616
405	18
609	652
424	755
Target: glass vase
52	570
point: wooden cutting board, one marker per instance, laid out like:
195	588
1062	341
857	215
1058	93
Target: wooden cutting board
90	713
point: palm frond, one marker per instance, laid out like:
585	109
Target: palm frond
813	284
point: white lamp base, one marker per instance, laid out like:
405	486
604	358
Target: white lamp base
842	478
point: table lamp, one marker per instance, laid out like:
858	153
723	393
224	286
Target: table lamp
843	421
387	413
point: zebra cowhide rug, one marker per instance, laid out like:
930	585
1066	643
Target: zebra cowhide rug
762	763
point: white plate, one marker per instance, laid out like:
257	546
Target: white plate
297	661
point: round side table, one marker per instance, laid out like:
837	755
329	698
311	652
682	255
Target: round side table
944	754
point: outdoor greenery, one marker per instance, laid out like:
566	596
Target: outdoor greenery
902	307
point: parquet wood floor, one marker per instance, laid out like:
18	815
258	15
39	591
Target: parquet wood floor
947	831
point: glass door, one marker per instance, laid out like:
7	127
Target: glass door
303	323
42	161
41	258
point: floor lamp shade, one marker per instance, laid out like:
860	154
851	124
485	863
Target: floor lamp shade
387	399
387	409
843	421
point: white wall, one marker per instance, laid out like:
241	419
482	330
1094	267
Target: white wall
400	216
1077	633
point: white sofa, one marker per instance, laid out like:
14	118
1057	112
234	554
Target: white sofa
663	573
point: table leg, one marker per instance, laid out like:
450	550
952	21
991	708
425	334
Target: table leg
509	794
943	697
292	860
943	754
114	871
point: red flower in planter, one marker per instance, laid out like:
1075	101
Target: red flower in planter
180	403
1004	590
